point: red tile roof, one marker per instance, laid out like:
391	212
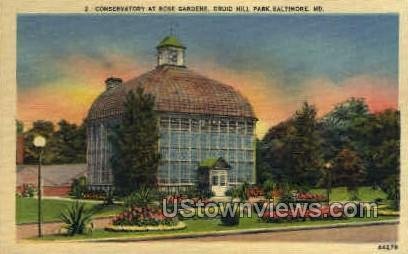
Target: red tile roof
177	89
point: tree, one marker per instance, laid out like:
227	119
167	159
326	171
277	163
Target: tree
135	158
272	152
345	126
69	143
305	147
348	171
290	151
384	148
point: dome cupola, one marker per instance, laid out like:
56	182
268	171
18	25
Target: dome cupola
170	51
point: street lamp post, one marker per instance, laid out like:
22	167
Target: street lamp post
39	142
328	167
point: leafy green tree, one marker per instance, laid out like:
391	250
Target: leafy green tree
384	146
291	151
345	126
69	143
272	153
135	158
349	171
305	150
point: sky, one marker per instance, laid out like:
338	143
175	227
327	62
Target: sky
276	61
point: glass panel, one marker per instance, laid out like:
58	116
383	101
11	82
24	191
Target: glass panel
184	154
185	139
164	139
223	125
232	140
175	123
164	152
195	125
173	154
214	125
248	142
185	124
232	126
214	140
204	125
174	172
241	127
222	180
223	140
194	154
204	140
174	139
215	180
196	140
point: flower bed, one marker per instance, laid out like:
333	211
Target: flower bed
324	212
130	228
142	217
94	195
309	197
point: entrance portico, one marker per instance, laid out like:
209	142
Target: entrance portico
217	172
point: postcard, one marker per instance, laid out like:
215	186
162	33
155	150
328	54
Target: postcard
203	126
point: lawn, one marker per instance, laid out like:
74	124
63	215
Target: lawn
365	193
26	209
211	225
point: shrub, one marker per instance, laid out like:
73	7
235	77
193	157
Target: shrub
108	200
201	193
230	219
240	192
76	218
28	191
79	187
141	198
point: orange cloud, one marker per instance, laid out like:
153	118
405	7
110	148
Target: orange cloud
379	93
70	96
83	80
273	104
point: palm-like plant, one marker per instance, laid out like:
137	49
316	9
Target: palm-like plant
76	218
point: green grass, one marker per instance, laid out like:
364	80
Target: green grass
26	209
365	193
211	225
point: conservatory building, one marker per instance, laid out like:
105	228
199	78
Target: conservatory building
199	119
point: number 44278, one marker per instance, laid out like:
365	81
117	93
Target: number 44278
388	247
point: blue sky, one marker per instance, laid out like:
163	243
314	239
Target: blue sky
287	49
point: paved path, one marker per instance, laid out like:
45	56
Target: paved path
31	230
363	234
373	233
